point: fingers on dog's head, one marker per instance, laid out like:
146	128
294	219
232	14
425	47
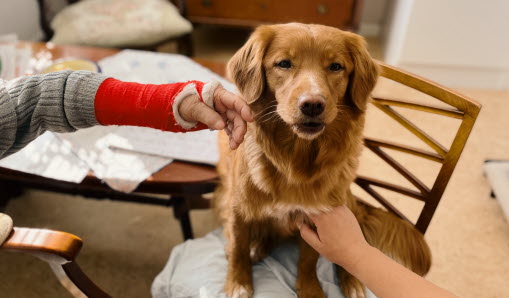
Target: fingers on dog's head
245	68
364	74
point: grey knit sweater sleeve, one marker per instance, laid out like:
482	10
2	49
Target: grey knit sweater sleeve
60	102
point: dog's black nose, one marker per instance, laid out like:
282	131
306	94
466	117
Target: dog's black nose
312	107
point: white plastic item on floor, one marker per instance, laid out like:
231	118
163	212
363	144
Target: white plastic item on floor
498	175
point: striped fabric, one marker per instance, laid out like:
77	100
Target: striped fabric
60	102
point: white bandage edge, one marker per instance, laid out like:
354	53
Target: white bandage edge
189	89
207	94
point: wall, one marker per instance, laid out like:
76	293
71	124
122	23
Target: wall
21	17
373	17
460	43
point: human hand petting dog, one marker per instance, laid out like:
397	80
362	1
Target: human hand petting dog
230	113
339	238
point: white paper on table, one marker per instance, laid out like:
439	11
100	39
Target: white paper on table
198	146
49	157
157	68
121	170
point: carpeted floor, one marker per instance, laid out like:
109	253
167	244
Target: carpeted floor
126	244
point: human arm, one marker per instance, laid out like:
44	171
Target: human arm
339	238
232	114
67	101
60	102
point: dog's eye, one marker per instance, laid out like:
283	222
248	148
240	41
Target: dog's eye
284	64
335	67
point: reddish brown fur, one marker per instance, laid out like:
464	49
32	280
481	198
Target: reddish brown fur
278	175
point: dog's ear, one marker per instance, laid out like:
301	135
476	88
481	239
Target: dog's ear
245	68
364	74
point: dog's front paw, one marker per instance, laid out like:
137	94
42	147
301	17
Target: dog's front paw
236	290
351	287
257	252
356	292
309	287
311	293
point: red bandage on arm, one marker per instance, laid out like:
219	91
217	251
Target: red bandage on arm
124	103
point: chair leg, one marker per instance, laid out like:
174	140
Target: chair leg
3	204
75	281
8	190
185	45
181	212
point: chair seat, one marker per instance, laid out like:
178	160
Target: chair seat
5	227
119	23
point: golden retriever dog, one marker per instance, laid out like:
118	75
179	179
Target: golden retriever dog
308	86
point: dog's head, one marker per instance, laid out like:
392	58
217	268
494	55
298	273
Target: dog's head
314	73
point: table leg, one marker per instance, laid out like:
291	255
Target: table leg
8	190
185	45
181	212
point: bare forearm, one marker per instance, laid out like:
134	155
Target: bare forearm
388	279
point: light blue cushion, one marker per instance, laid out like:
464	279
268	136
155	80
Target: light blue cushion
197	268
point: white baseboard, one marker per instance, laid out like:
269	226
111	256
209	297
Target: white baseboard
369	29
462	77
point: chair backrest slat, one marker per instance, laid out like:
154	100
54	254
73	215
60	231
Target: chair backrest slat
383	201
391	186
435	110
401	169
403	148
413	129
445	172
444	94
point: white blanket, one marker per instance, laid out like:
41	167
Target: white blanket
197	269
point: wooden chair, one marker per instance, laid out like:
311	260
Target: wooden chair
464	109
60	249
184	42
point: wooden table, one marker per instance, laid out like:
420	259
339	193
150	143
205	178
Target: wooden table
183	182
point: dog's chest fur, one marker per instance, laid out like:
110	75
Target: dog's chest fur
279	179
285	186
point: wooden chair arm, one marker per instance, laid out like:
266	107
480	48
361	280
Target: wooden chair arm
50	246
59	250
